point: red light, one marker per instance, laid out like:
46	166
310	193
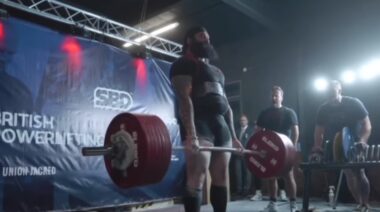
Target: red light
2	32
141	75
2	36
72	47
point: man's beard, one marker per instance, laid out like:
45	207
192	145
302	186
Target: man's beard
204	50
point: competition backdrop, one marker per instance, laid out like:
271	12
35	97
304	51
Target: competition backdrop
58	93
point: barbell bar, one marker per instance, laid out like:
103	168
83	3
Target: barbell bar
137	151
225	149
99	151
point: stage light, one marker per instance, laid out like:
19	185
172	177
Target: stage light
141	73
142	38
155	32
371	70
73	49
2	32
165	28
126	45
348	77
320	84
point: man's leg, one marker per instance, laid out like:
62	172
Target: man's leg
290	185
281	188
233	176
238	174
218	172
257	189
364	188
358	185
247	178
196	166
291	188
272	188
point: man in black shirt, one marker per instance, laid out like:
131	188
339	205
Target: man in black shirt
283	120
335	114
205	118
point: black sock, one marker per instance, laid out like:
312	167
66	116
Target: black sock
192	200
218	197
273	199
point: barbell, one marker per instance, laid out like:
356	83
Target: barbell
137	151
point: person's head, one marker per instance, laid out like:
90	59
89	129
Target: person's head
197	43
243	120
334	90
277	96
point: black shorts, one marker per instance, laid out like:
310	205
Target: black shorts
214	128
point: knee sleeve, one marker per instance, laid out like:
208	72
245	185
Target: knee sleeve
218	197
192	200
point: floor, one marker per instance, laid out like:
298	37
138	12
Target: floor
256	206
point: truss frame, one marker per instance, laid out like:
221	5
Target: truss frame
59	11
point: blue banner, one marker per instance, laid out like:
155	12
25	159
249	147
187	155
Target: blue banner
58	93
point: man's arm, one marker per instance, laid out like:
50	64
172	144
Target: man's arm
229	117
319	132
295	134
365	130
182	87
294	127
230	122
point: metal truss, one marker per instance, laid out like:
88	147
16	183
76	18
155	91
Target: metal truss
68	14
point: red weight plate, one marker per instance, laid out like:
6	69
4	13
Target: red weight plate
135	175
163	151
291	154
153	165
280	154
150	150
132	176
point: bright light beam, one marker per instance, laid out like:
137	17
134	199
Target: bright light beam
371	70
320	84
155	32
348	77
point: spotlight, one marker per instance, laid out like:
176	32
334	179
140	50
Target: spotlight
371	70
348	77
155	33
139	51
320	84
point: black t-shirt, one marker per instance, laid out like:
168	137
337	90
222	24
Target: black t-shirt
348	113
201	73
278	119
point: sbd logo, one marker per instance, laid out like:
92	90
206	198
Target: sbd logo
105	98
